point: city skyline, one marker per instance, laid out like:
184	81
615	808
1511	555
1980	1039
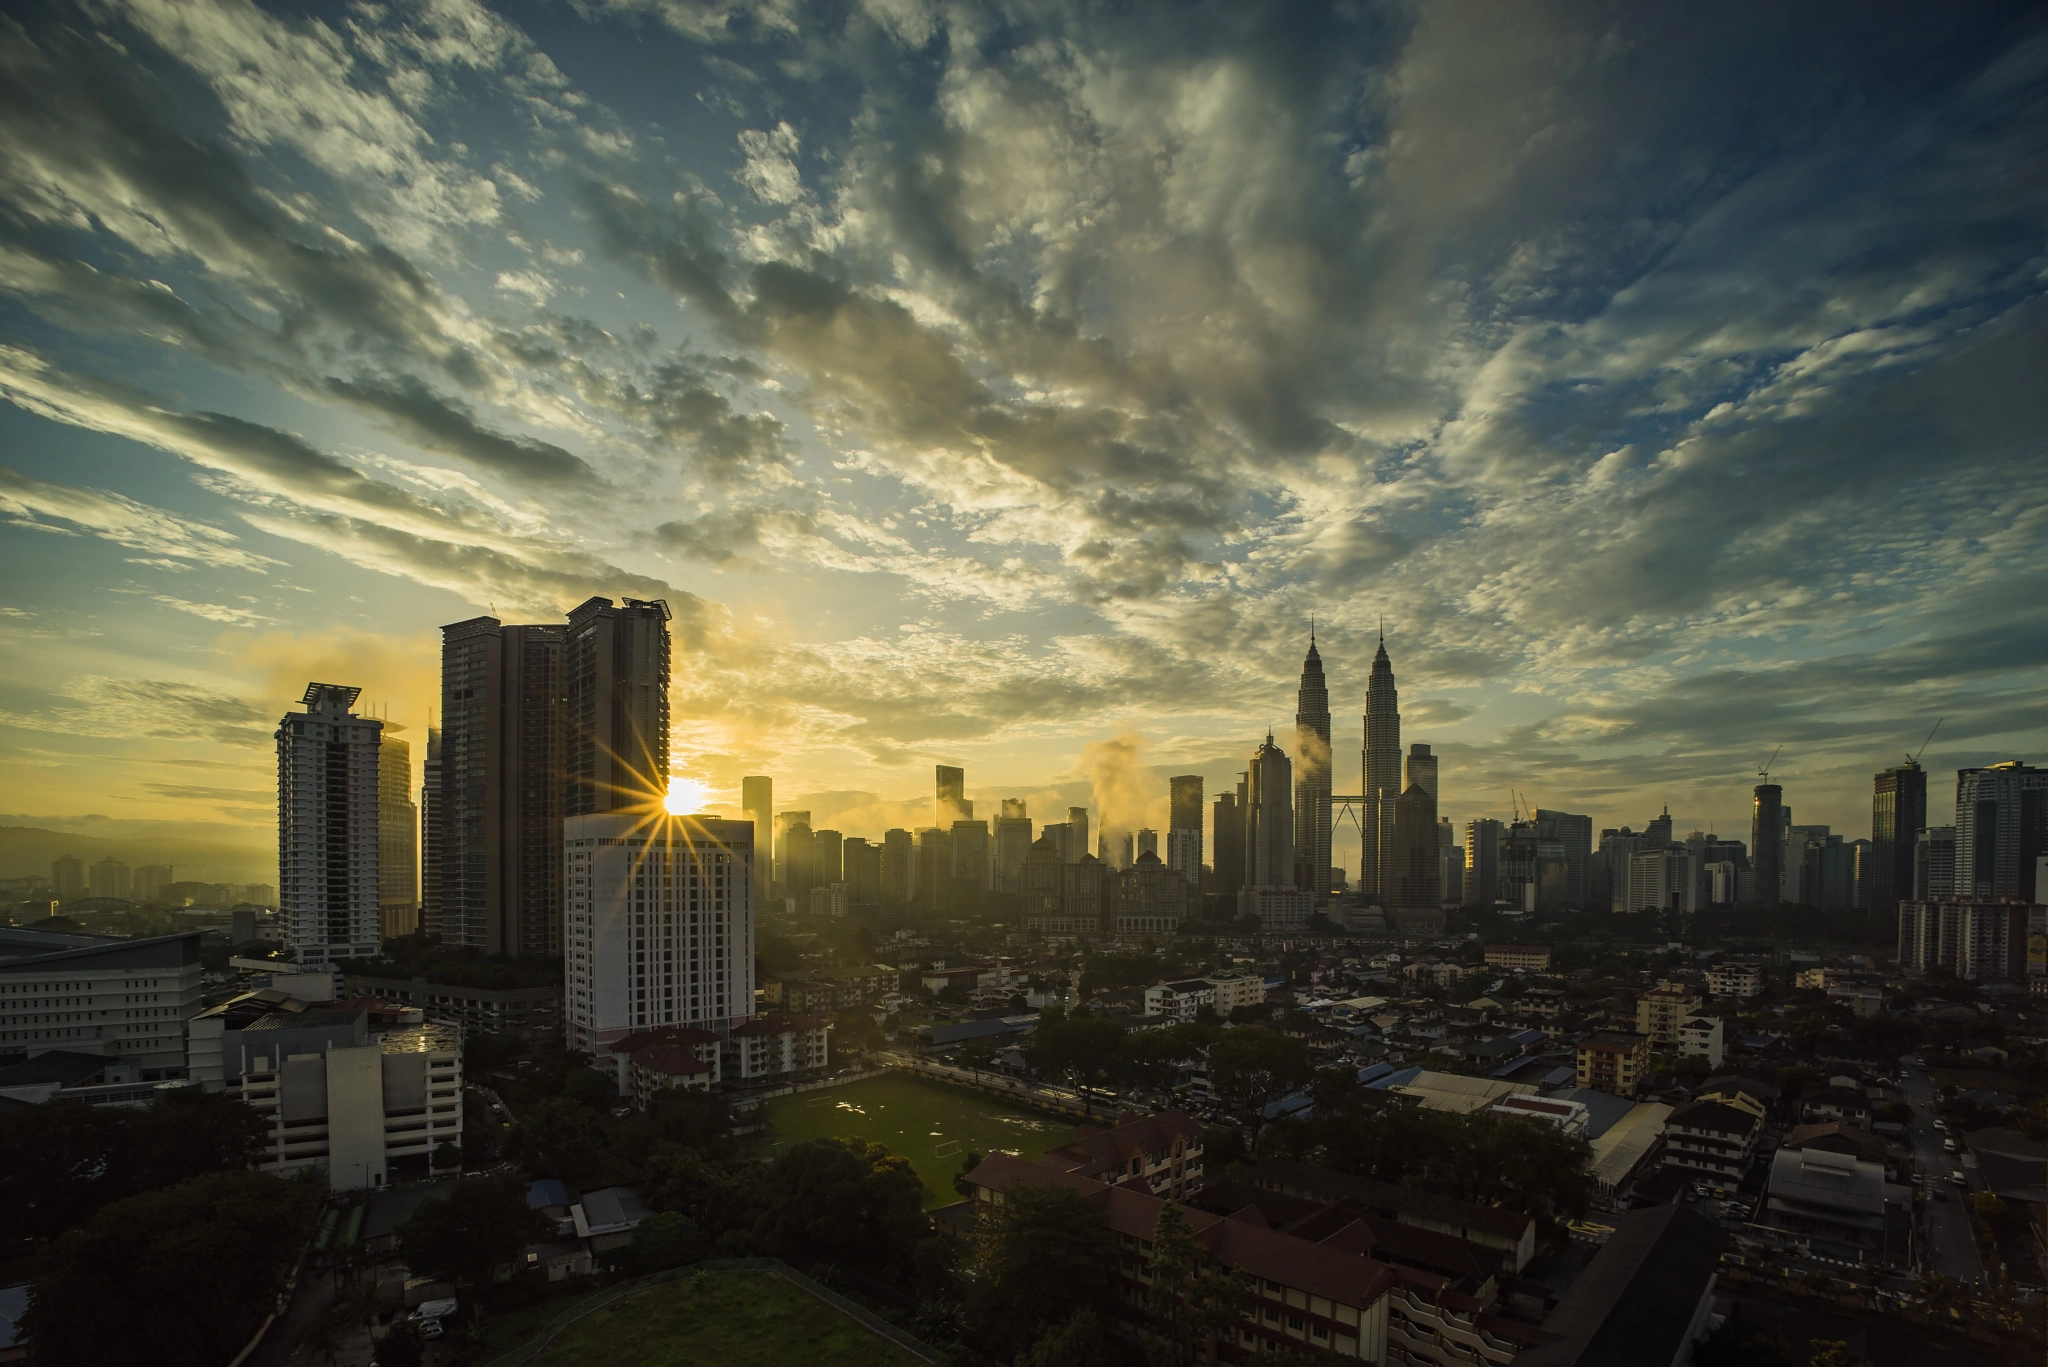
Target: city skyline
1658	438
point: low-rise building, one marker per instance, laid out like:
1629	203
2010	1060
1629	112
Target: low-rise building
776	1047
1541	1003
1613	1061
357	1110
474	1008
1662	1010
1535	957
673	1057
100	994
1735	979
1713	1138
1163	1152
1703	1037
1838	1201
1180	1001
1568	1116
1231	993
1845	1104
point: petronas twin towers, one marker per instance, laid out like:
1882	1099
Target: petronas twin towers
1312	783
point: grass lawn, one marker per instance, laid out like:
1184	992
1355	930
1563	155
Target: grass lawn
731	1319
930	1123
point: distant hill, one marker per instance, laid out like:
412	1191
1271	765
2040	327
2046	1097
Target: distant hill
27	851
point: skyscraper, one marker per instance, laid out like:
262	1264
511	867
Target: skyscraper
757	804
1934	863
1767	842
1415	886
1012	843
827	867
899	865
398	906
1077	834
1269	823
1184	827
1382	772
660	925
110	879
951	804
496	822
1312	776
616	663
146	882
934	888
67	878
783	821
972	863
1575	833
1898	810
327	828
1229	845
1482	862
796	843
2001	830
430	834
863	871
1421	770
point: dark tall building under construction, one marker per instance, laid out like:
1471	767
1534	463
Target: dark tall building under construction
1898	809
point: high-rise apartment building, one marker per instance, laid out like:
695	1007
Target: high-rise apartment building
1575	833
1450	862
863	868
327	828
660	925
1147	842
67	878
1228	840
1012	844
899	865
496	821
1382	769
2001	830
1312	776
1269	823
430	834
398	904
616	667
146	882
1767	842
783	821
757	804
934	884
950	803
110	879
1482	862
1898	809
1934	863
1077	834
1414	863
1981	940
798	845
972	861
1184	827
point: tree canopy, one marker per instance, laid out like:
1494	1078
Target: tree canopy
170	1278
842	1200
469	1233
1040	1257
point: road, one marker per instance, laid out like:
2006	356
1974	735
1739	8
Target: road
1950	1249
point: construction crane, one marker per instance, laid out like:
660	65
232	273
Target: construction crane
1764	774
1914	759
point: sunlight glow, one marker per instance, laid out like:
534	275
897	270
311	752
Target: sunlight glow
685	795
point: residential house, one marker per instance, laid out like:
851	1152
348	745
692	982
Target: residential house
1162	1152
1733	979
1662	1010
1703	1037
776	1048
670	1058
1180	1001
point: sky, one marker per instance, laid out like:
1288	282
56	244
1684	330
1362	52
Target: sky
1014	385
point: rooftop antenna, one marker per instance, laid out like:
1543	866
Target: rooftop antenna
1765	772
1914	758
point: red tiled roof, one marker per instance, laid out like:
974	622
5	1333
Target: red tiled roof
670	1060
669	1034
1347	1278
1094	1151
778	1025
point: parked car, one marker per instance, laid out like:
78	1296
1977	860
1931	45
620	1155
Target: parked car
1957	1179
1948	1146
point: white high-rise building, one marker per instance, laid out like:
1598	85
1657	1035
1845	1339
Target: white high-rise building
327	883
660	924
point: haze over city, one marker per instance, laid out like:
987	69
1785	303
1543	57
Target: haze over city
984	387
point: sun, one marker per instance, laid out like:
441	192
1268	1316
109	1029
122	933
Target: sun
685	795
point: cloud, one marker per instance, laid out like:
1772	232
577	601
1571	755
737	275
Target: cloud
28	501
437	424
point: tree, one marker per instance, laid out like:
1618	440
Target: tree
1083	1049
1195	1308
1039	1257
967	1165
561	1136
1080	1340
843	1200
468	1234
666	1239
172	1277
697	1120
721	1200
1253	1067
592	1088
976	1056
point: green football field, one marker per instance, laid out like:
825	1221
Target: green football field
930	1123
730	1319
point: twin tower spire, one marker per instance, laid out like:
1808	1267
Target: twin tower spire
1380	767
